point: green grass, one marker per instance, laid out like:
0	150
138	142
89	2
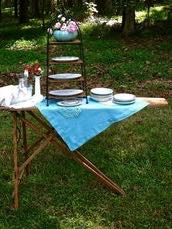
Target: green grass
121	60
60	194
21	45
136	153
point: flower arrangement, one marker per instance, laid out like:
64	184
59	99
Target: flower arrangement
64	24
32	70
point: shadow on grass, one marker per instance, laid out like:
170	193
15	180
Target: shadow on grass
11	30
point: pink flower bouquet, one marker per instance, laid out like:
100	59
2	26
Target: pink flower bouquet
64	24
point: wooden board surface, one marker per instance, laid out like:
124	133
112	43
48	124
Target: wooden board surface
153	102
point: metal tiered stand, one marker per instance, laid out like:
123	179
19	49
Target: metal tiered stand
52	79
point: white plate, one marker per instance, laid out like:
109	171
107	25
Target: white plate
65	58
70	103
101	96
64	76
101	91
124	102
105	99
124	97
66	92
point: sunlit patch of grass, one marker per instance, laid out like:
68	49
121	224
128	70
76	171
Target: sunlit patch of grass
7	10
156	13
92	29
23	44
26	27
87	27
140	16
158	8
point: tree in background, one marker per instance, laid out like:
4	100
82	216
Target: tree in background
0	9
16	8
35	6
148	4
53	5
104	7
128	17
23	11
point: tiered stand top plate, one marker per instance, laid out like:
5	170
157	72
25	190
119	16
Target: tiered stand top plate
65	76
65	58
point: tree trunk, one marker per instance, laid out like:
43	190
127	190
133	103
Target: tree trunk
128	21
148	4
23	11
108	6
0	9
16	8
104	7
43	13
78	3
53	6
72	3
35	9
69	3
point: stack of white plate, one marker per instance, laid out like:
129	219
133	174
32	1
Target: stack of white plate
101	94
124	98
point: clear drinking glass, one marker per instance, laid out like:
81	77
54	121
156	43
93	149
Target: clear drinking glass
25	89
29	91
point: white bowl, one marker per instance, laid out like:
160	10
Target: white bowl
101	91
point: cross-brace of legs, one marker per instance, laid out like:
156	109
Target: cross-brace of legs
46	138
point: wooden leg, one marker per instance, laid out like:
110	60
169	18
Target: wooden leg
99	174
79	158
41	146
24	136
15	161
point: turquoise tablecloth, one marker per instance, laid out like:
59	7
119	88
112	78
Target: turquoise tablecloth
76	125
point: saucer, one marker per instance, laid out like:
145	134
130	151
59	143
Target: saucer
70	103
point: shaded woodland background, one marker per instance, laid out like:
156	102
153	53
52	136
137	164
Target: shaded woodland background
25	10
127	46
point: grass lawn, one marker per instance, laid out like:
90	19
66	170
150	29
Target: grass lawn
136	153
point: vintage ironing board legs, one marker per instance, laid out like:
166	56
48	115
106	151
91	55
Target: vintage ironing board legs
47	137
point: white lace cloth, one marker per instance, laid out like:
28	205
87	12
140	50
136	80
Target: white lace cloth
69	112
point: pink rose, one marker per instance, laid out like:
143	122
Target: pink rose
72	27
